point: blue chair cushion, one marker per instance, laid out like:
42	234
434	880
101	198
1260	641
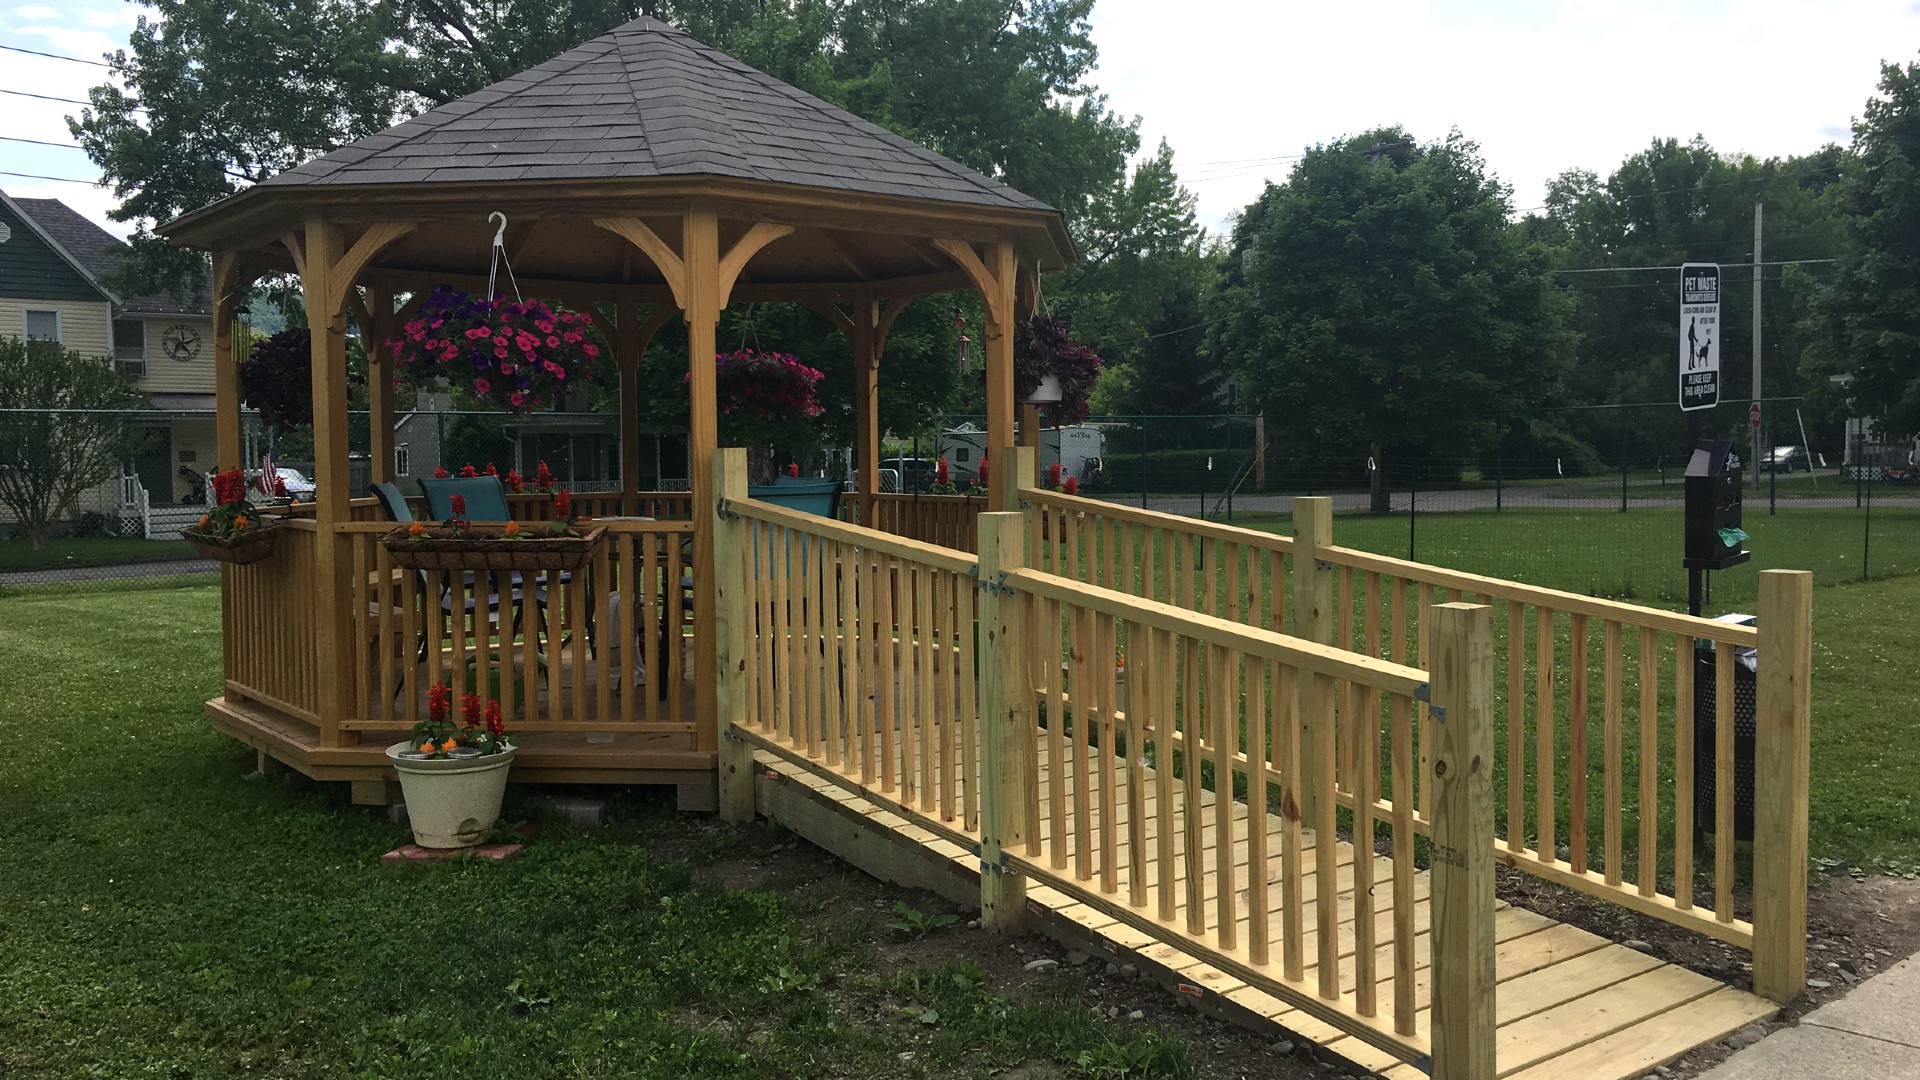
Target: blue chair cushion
805	494
486	497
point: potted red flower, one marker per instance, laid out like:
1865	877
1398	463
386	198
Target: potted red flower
454	775
459	544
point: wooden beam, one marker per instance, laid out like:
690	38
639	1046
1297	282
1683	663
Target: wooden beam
378	237
733	586
1462	884
701	244
831	312
1782	751
321	244
671	264
378	323
297	251
1007	765
862	336
743	251
229	279
884	316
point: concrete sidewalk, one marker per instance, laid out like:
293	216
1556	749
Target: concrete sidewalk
1873	1032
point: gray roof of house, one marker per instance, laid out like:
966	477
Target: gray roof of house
102	254
646	100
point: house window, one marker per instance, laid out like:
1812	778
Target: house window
402	460
43	324
130	346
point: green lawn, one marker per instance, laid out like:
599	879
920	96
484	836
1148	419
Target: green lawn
1636	555
163	913
91	551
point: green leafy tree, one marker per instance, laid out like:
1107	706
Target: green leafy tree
1380	303
1671	203
1866	322
60	430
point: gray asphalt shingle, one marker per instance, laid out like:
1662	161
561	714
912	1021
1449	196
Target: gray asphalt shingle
648	100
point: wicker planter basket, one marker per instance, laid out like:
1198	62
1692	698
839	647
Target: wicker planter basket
240	549
486	549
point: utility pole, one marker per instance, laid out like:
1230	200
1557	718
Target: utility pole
1759	268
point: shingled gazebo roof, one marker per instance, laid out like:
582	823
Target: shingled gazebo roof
643	112
648	100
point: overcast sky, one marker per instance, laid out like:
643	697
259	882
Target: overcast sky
1241	87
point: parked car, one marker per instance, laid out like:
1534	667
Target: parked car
911	473
1786	459
299	488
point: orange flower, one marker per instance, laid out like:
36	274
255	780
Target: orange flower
239	523
427	747
512	529
203	521
449	744
417	528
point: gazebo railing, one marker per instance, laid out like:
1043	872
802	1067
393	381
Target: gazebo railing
945	520
271	640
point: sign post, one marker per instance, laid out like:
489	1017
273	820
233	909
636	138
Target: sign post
1699	336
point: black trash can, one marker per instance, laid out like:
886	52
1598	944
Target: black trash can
1706	729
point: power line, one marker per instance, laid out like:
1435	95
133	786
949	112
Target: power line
53	56
46	97
1676	266
61	179
42	142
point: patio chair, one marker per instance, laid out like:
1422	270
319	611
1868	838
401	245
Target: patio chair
394	505
486	497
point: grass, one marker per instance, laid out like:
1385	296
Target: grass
89	551
164	912
1635	555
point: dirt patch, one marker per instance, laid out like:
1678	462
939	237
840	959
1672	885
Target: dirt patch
854	905
1856	928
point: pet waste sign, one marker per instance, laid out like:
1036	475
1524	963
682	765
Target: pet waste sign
1699	336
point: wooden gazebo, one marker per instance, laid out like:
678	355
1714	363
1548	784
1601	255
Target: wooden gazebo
643	172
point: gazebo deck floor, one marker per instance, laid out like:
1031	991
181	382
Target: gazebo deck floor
609	756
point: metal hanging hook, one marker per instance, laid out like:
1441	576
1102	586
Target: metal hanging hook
497	256
500	234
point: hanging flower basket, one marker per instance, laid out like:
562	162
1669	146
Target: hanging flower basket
233	531
1043	351
240	548
490	548
509	354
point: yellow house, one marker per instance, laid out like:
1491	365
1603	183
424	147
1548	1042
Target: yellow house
56	274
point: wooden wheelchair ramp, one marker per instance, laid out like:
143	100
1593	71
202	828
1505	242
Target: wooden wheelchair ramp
1569	1003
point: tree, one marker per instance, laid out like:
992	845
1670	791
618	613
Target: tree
61	429
1671	203
1380	303
1866	323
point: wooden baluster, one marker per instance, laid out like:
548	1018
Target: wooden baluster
1220	708
1160	662
1105	708
1611	749
888	690
1192	819
948	775
1578	758
855	600
1288	744
1683	661
832	558
1424	776
1724	658
1049	650
1516	726
1258	910
1649	761
967	599
651	599
923	714
1546	814
1364	775
1138	695
1400	710
1078	678
603	647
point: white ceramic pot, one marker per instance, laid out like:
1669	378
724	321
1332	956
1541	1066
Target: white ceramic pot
451	802
1047	392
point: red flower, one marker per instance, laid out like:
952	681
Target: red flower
1072	486
470	709
439	472
495	726
942	472
492	469
467	470
439	699
515	482
1053	475
980	474
793	468
459	505
563	504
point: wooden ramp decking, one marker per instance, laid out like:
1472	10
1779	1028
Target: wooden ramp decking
1570	1004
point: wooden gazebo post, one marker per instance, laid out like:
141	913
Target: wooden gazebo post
994	276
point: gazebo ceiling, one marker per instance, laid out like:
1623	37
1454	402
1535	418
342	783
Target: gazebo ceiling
643	122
